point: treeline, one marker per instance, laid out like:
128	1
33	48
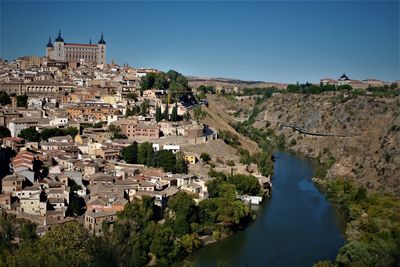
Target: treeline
165	159
135	239
31	135
309	88
373	228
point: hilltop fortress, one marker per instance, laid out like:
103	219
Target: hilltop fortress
74	52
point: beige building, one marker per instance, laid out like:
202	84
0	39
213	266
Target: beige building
30	62
74	52
12	184
30	200
91	111
37	88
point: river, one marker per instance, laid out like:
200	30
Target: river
296	227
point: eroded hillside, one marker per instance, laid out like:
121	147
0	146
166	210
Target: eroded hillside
367	142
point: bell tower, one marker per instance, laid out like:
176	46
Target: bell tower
59	49
101	54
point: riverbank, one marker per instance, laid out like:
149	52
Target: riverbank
297	221
373	224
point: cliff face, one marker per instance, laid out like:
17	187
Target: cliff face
365	129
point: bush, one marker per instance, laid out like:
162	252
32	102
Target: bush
293	142
205	157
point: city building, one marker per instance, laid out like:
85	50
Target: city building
74	52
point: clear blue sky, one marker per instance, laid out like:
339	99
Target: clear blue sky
284	41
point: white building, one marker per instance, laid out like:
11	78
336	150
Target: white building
57	122
173	148
18	124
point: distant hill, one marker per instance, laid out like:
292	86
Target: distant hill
229	83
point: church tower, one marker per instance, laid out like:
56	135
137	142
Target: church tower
49	48
59	49
102	46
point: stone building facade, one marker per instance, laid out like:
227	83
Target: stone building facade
74	52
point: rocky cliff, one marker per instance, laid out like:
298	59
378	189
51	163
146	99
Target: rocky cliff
361	133
358	136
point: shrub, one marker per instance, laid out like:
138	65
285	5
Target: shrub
205	157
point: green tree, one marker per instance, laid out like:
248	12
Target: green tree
166	248
186	116
115	132
232	212
174	114
22	100
208	211
160	81
358	253
139	213
129	112
166	112
77	205
144	107
344	87
172	75
72	131
132	96
4	98
7	230
245	184
28	231
183	211
205	157
176	88
51	132
130	153
198	114
145	153
4	132
147	82
98	125
30	134
65	244
191	242
164	159
264	163
181	163
159	115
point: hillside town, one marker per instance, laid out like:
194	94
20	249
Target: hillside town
82	138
